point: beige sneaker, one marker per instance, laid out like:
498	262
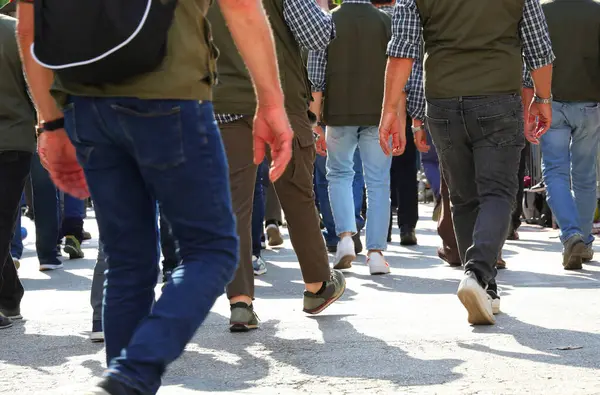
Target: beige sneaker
345	253
274	236
476	300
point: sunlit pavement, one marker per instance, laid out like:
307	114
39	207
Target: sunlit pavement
401	333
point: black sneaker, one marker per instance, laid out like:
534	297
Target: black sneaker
408	238
110	386
5	322
13	314
358	247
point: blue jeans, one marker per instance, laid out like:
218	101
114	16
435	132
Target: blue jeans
358	184
569	154
134	153
431	166
16	245
72	217
46	208
341	146
258	207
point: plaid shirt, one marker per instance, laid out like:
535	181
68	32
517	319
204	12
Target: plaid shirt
537	47
311	26
317	66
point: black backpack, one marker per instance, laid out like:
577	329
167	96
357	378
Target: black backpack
96	42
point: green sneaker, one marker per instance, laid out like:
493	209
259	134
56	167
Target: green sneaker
573	251
73	247
243	318
334	289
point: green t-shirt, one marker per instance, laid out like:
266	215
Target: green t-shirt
17	115
187	72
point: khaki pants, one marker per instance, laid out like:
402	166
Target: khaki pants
296	195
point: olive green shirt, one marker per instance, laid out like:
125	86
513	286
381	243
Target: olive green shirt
17	115
187	72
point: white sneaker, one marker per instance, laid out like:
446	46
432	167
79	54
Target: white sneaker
476	300
345	253
44	267
259	265
377	263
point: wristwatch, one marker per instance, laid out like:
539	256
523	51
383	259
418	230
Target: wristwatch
419	128
539	100
50	126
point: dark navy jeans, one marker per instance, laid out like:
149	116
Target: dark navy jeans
136	153
258	207
479	141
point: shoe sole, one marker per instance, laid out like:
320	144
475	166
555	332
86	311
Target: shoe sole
241	327
73	252
274	237
260	272
47	268
15	317
327	302
6	326
97	338
575	260
345	262
411	243
379	271
500	265
471	296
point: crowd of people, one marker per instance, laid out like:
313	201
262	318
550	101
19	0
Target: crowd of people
212	125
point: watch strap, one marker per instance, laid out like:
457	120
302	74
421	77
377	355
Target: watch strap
53	125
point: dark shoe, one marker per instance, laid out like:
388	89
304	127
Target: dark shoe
389	239
408	238
476	300
13	314
358	247
73	247
243	318
332	249
97	335
500	264
110	386
573	251
87	235
331	291
588	255
514	235
444	257
5	322
274	236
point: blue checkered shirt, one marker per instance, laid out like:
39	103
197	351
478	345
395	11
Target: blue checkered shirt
317	66
407	32
312	28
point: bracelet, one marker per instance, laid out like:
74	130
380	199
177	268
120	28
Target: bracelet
539	100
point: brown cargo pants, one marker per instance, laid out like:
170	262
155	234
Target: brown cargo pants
296	195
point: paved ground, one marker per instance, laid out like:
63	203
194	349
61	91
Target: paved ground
402	333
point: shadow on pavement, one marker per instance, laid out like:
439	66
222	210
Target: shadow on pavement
243	360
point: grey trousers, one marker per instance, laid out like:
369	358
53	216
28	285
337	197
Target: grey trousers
98	284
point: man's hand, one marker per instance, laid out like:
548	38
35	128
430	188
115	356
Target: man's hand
321	143
539	121
271	126
421	137
395	127
57	155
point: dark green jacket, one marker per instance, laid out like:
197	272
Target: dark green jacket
575	33
234	94
17	115
471	53
356	62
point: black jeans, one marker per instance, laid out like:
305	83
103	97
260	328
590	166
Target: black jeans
518	211
479	141
14	170
404	185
